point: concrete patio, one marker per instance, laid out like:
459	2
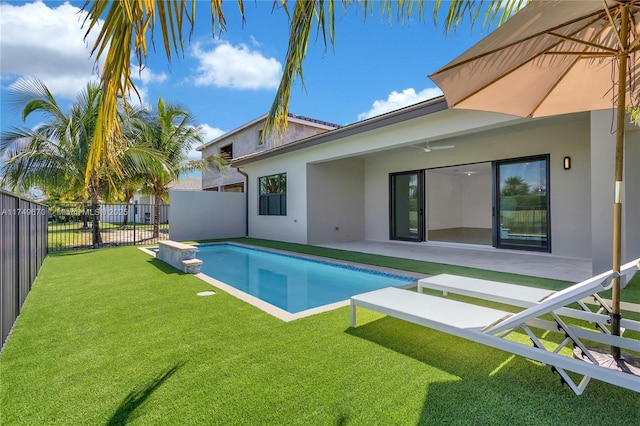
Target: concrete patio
477	256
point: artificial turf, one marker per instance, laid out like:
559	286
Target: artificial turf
114	336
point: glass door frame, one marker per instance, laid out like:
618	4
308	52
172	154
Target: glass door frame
496	202
421	232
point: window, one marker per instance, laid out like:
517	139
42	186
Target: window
272	200
522	204
227	151
260	137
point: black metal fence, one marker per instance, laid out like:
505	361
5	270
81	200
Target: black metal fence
23	247
75	226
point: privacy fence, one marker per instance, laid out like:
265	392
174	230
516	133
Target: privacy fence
74	226
23	247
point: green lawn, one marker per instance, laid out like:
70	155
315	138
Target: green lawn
114	336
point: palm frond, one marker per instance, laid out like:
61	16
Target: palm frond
127	24
299	31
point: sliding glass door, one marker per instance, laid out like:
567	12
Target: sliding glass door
522	204
407	206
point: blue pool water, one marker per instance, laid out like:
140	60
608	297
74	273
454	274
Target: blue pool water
289	282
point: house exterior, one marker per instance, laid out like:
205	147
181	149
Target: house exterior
248	139
542	185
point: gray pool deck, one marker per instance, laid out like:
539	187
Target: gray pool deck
535	264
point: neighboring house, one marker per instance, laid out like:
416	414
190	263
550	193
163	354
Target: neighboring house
186	184
248	139
145	201
511	183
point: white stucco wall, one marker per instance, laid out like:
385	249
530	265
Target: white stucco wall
631	201
293	226
476	200
335	204
458	200
201	215
559	137
444	201
602	190
576	208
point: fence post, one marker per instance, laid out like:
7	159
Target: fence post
16	249
135	216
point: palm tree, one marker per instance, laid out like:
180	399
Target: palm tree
515	185
123	25
54	155
171	131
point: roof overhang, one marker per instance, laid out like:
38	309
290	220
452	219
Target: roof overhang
414	111
292	118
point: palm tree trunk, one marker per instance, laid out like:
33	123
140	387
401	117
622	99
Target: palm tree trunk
85	222
95	223
127	200
156	215
95	212
125	220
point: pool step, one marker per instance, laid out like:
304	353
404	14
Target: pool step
180	256
191	266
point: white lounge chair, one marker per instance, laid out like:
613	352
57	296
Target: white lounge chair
490	327
525	297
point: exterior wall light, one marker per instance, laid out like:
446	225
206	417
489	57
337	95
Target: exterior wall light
567	163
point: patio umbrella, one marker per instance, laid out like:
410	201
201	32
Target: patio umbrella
557	57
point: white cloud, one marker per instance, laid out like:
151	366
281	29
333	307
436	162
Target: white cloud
194	155
139	97
46	43
397	100
236	67
211	133
146	76
255	41
142	80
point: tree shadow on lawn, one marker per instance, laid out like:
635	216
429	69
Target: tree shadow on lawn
74	252
165	267
492	386
137	398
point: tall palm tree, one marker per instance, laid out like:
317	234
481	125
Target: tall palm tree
171	131
128	24
54	155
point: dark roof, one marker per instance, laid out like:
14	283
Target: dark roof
313	120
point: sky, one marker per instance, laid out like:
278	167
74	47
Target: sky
229	78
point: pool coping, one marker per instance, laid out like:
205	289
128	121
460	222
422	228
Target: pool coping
281	313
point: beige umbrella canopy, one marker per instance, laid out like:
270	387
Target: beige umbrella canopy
557	57
552	57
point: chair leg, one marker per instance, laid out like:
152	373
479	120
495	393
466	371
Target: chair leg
353	314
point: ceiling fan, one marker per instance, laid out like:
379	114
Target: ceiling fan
429	148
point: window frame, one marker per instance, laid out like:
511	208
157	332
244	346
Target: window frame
222	150
272	201
260	143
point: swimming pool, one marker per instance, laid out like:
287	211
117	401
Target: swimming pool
291	283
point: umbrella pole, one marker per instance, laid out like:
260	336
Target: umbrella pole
617	200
